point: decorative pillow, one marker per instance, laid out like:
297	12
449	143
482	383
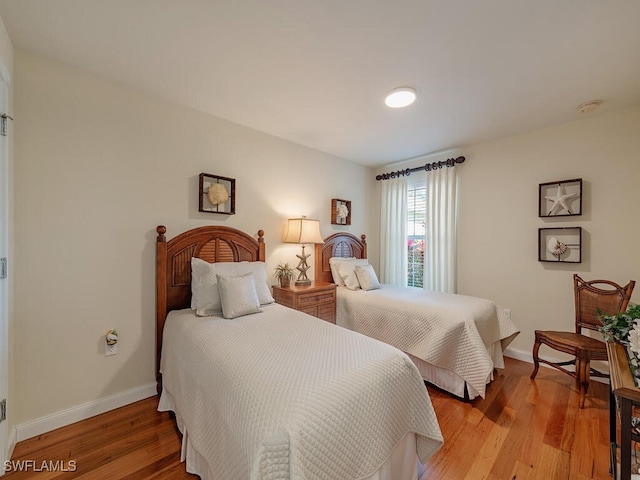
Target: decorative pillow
367	277
348	274
205	298
238	295
259	271
333	264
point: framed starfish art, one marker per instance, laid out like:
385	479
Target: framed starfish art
560	199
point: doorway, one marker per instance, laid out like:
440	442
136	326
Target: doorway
4	253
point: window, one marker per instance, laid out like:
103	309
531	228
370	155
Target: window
416	209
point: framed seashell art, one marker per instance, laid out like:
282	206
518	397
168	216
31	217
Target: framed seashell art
217	194
561	244
340	212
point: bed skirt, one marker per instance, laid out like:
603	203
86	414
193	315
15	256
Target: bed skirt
402	463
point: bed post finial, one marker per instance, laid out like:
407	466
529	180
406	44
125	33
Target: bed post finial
363	237
262	254
161	231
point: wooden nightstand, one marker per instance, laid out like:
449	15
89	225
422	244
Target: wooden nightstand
317	299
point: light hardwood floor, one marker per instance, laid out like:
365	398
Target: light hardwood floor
522	430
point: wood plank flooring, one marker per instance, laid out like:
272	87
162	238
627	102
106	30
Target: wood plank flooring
522	430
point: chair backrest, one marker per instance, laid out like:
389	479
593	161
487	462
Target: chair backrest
590	298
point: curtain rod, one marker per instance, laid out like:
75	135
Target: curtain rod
451	162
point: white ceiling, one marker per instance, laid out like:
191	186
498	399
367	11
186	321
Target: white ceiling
315	71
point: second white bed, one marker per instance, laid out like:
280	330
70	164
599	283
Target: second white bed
455	340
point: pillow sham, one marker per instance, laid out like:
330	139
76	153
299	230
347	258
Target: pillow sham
333	265
367	277
348	274
259	271
238	295
205	297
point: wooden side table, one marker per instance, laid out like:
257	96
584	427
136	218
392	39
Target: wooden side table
317	299
625	392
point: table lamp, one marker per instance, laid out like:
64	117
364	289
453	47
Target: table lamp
302	231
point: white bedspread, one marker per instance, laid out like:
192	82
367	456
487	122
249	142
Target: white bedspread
283	395
446	330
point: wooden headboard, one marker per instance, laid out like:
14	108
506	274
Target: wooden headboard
173	266
337	245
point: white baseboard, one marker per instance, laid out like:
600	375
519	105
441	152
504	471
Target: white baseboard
11	444
82	412
519	355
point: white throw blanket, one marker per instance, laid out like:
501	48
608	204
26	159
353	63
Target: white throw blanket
283	395
446	330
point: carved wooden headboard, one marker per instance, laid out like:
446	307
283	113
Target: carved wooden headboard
337	245
173	265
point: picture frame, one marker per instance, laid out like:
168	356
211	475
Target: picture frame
561	198
217	194
560	245
338	211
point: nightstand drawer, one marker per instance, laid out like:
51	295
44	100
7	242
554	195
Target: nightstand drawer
327	312
317	299
307	299
313	310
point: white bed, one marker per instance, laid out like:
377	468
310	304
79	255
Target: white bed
280	394
464	336
456	341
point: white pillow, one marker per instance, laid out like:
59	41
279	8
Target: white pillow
333	264
205	298
238	295
348	274
259	271
367	277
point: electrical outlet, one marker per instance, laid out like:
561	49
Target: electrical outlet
110	349
507	314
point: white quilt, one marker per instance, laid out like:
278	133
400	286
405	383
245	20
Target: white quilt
283	395
447	330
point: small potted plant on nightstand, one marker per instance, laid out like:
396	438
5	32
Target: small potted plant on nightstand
284	273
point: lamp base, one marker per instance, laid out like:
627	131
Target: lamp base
302	268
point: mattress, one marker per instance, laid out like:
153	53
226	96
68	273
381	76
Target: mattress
456	340
283	395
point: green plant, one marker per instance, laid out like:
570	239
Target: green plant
283	270
617	327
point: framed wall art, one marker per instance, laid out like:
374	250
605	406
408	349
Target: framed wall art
561	198
217	194
562	244
340	212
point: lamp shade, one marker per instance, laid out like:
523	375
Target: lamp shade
303	230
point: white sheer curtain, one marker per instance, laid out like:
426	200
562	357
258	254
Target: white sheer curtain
393	232
440	248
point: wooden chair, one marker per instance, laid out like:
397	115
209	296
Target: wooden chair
588	298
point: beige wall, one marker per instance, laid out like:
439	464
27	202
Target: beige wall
98	166
498	216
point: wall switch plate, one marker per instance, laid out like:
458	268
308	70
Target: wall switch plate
110	349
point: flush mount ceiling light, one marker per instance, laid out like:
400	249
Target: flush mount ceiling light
400	97
589	106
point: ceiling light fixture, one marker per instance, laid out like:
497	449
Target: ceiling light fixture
400	97
589	106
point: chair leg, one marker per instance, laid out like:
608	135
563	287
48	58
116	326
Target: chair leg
536	363
583	369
